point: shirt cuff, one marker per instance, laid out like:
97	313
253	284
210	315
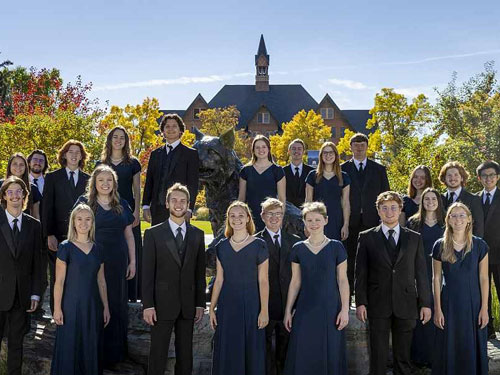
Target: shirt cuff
149	308
35	298
199	307
145	207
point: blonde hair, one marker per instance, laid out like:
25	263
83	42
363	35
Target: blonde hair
250	225
91	193
336	164
447	248
271	204
72	233
389	196
317	207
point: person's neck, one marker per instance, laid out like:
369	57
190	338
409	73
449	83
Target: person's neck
116	154
262	161
418	195
82	237
14	211
358	159
36	175
430	215
490	190
328	168
274	230
317	237
240	234
459	237
297	163
172	141
391	226
104	198
178	220
453	189
72	167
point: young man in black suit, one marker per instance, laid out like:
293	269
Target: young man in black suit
167	165
62	189
454	176
20	269
279	244
173	284
296	173
488	174
368	180
391	286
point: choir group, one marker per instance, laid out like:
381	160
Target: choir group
416	267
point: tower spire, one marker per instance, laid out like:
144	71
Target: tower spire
262	66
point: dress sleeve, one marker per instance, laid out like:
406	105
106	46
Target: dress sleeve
263	253
244	172
136	166
436	250
127	211
341	252
100	253
345	179
294	257
311	178
278	172
483	249
63	252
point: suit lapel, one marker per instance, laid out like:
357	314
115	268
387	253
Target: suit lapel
169	240
284	250
175	158
68	189
380	245
368	173
493	206
81	184
7	233
23	235
190	244
403	242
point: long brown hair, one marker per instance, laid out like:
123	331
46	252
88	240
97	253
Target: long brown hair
108	147
418	220
250	225
91	193
264	139
412	192
25	176
447	248
61	154
336	164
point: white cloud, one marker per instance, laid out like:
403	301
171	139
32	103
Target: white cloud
347	83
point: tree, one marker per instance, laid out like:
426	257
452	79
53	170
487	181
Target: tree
215	121
307	126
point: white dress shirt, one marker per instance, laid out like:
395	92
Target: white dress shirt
395	235
492	194
456	192
293	166
75	176
174	145
174	226
272	234
40	182
358	162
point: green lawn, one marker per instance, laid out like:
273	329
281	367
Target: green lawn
203	225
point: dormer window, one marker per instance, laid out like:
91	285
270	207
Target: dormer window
196	113
326	113
263	118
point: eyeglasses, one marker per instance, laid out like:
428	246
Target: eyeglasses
488	176
458	216
274	214
12	193
39	160
328	153
387	209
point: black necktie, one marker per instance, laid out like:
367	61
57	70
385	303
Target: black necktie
361	170
72	179
487	204
297	175
35	181
277	244
170	148
451	197
392	241
179	239
15	231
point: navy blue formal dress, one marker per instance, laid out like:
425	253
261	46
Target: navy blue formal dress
330	193
259	187
410	208
125	173
422	347
240	347
110	235
461	348
316	346
78	346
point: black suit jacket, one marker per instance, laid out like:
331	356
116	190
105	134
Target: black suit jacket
386	289
20	269
184	168
279	262
363	196
296	194
475	206
492	227
168	286
58	200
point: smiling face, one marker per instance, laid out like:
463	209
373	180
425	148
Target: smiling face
171	131
17	167
430	202
273	218
177	203
238	218
315	223
418	180
261	150
73	157
453	178
118	140
104	183
458	219
83	222
359	150
14	197
488	178
296	152
389	212
37	163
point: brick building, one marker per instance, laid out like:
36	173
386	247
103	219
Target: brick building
264	107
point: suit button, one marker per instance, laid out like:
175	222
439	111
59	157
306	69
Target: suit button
393	271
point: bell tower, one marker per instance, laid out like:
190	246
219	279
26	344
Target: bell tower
262	67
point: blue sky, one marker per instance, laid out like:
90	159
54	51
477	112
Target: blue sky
174	50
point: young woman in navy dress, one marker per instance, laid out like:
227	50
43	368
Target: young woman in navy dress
461	286
429	222
80	299
328	184
113	226
261	179
117	154
420	179
319	279
241	295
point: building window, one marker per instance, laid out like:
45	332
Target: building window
334	132
263	118
342	131
262	70
196	113
327	113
